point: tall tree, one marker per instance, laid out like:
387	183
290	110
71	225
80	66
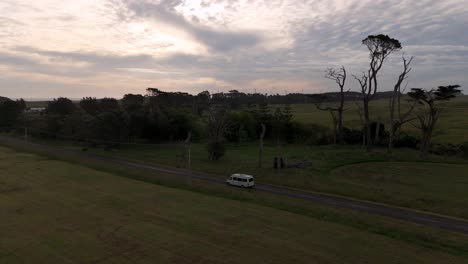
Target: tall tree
339	76
61	106
133	105
379	47
429	116
90	105
108	104
202	102
397	117
9	112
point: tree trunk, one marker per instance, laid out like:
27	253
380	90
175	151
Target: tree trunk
422	148
425	143
391	139
368	138
335	133
397	133
340	111
390	143
260	146
278	146
377	131
335	126
340	126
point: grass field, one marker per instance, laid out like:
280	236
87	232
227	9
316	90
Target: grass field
451	128
36	103
438	185
56	212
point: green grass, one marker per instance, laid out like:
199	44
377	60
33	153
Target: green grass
401	179
54	211
451	128
36	103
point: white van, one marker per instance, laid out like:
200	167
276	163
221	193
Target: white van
241	180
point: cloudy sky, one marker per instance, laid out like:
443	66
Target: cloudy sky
51	48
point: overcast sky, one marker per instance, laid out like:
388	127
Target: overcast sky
51	48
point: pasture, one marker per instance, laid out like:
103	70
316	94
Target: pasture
57	212
451	128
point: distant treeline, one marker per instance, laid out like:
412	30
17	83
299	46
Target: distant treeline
161	116
235	98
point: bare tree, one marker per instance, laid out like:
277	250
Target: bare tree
219	124
320	104
380	47
430	116
339	76
397	118
363	79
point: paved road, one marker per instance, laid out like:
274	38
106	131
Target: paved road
399	213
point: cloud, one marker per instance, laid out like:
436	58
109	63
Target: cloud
108	46
216	40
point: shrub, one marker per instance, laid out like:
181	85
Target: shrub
464	149
352	136
446	149
311	134
407	141
216	150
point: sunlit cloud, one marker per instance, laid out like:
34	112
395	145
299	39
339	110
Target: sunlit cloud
52	48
